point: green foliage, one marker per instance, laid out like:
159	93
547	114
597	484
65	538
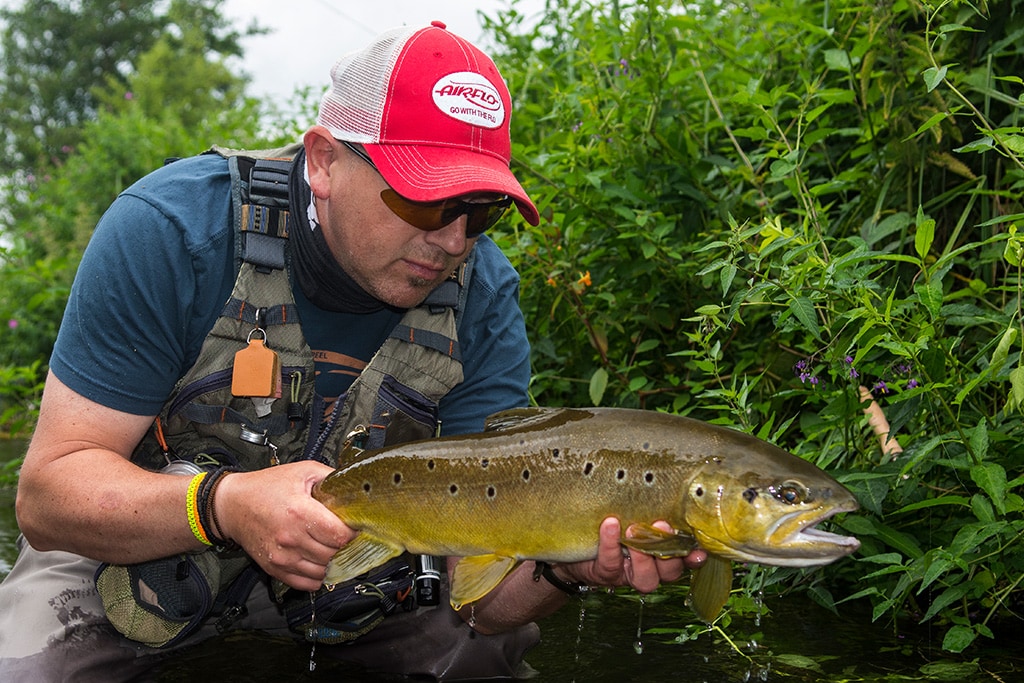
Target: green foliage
176	99
55	53
753	210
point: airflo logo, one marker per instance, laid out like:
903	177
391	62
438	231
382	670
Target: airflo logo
469	97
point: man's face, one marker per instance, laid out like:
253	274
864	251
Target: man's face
392	260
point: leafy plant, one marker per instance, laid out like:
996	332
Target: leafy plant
771	215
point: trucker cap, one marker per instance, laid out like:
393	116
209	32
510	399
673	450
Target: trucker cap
432	112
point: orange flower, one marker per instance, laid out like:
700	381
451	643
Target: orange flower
584	280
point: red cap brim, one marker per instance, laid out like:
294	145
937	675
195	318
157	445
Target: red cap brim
427	173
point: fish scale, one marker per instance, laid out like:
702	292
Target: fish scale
537	484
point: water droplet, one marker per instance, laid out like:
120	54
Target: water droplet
579	631
311	633
638	644
472	616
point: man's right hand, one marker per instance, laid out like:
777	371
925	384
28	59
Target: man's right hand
273	516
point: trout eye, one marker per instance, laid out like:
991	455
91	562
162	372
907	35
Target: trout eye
789	492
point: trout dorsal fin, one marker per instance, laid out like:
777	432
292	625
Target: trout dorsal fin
534	418
476	576
517	417
709	588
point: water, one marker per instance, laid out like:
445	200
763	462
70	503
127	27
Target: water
616	639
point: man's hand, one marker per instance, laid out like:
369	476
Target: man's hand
613	567
272	515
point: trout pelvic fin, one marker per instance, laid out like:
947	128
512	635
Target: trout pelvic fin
360	555
709	588
476	576
654	541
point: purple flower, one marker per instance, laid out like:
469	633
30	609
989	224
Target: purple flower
12	324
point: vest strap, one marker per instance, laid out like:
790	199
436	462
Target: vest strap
437	341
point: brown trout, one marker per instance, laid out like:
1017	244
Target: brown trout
538	482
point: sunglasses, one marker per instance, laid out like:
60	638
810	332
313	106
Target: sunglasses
430	216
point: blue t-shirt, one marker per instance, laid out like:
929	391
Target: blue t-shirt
160	266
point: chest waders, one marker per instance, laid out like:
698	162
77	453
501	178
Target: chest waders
203	426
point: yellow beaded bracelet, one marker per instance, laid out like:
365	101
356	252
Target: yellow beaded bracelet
192	509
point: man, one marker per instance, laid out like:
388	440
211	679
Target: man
407	166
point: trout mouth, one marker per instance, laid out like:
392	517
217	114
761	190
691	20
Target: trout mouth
791	539
795	540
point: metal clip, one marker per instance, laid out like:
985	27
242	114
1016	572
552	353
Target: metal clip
260	439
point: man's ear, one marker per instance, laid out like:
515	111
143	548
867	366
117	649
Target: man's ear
320	155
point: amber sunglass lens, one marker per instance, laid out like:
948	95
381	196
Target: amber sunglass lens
436	215
423	215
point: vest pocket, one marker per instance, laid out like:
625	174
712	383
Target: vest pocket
400	414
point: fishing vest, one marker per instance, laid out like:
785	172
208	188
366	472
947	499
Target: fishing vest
395	398
203	424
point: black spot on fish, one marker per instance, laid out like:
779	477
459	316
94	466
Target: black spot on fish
588	469
649	477
526	475
398	478
647	446
366	487
699	491
750	494
430	464
555	453
484	462
491	492
453	489
620	475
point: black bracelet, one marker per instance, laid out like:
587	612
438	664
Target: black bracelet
207	514
544	569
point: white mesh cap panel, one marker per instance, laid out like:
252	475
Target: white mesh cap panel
353	106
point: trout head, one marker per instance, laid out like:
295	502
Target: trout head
766	509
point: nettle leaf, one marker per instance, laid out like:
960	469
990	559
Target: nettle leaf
947	598
837	60
991	478
803	309
956	639
726	276
930	295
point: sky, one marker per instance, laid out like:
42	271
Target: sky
310	35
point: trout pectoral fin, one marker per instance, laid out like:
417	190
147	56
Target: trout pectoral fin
361	554
709	588
654	541
476	576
